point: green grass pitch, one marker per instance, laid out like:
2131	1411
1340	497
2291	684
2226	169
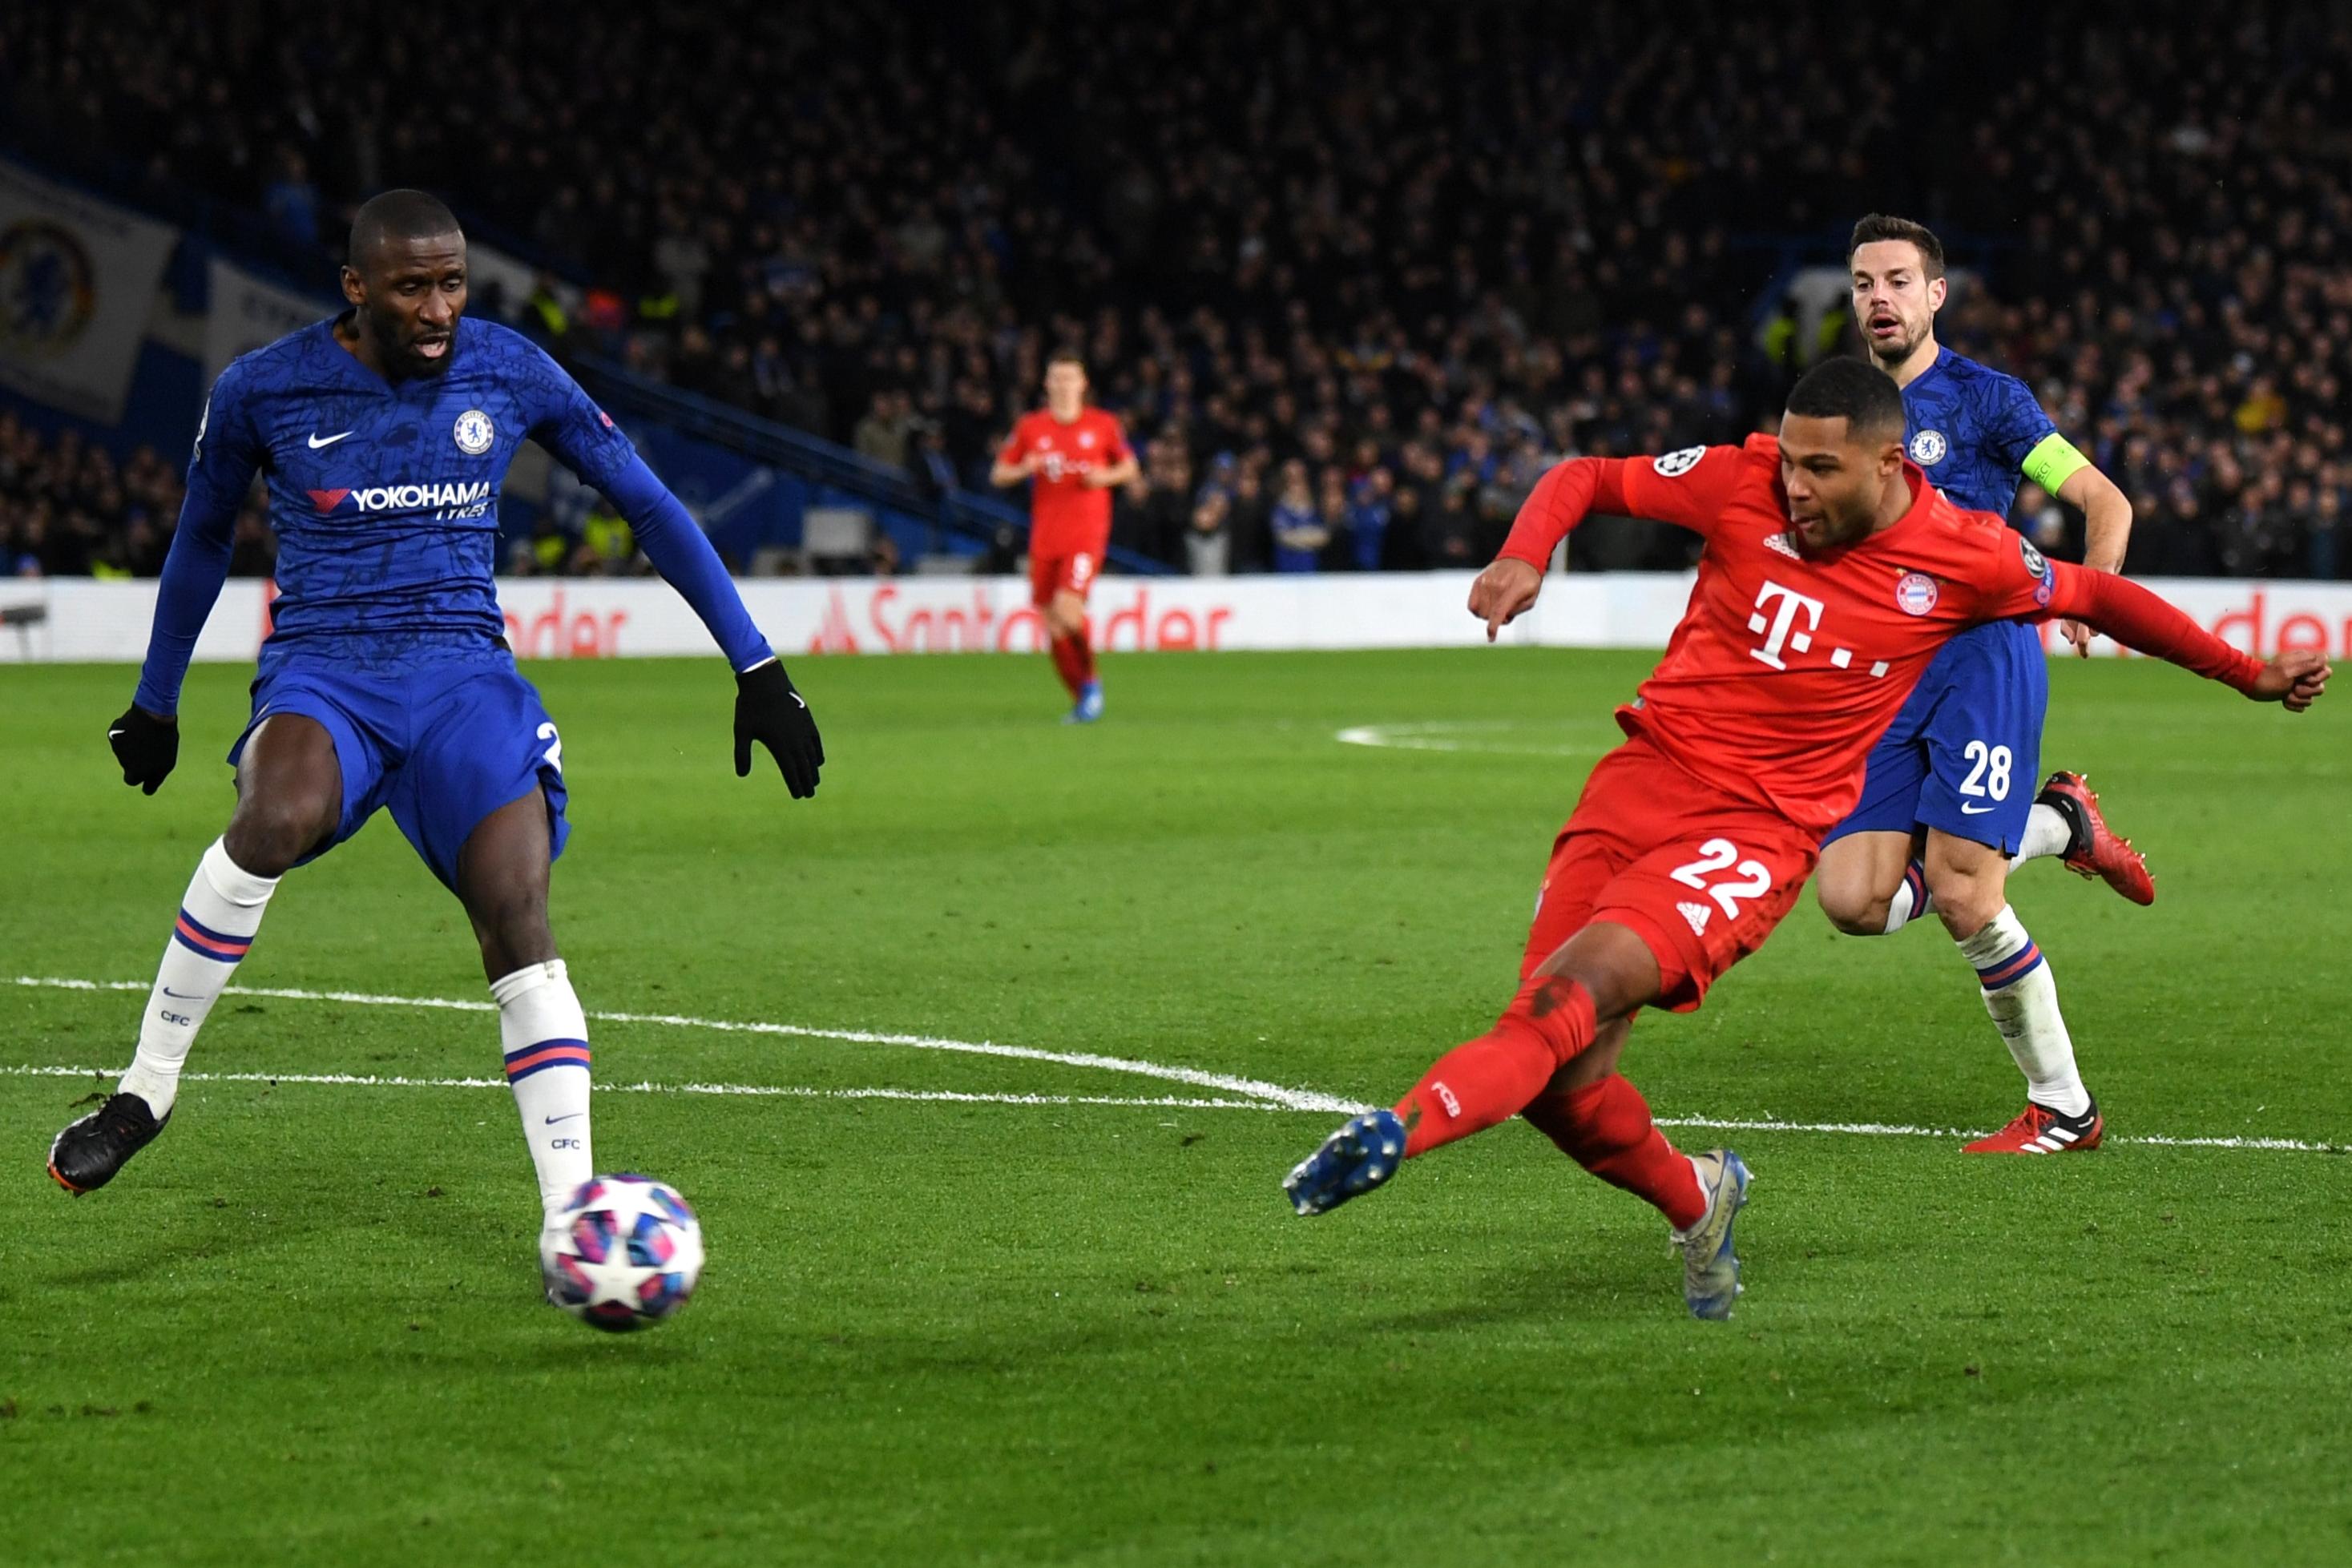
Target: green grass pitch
303	1327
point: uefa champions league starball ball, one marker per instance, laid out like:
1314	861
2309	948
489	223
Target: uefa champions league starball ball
625	1253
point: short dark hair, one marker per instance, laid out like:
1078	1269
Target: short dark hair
1067	356
1886	225
1856	391
402	214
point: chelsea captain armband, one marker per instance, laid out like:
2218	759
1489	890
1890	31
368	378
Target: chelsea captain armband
2052	461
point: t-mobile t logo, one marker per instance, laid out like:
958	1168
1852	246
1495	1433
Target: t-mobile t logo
1783	620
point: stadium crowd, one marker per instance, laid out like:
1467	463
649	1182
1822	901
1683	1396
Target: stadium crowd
1353	275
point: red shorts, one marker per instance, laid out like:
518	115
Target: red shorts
1699	874
1070	571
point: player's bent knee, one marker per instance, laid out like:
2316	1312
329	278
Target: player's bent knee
268	835
1613	965
1854	913
1967	903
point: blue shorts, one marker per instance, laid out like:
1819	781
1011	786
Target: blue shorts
1965	754
443	744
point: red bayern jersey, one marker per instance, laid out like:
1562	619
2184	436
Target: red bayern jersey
1787	668
1065	513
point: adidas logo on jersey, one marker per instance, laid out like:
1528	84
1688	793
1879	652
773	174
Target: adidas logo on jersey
1697	915
1780	542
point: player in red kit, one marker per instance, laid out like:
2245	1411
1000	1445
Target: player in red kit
1832	572
1073	455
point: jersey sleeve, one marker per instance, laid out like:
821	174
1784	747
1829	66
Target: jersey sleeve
228	452
2014	425
682	553
567	422
2035	588
1015	442
2013	581
1688	488
1118	451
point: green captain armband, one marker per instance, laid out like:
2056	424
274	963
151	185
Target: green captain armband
2052	461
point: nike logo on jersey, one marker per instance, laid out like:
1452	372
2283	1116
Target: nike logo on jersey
1969	811
317	441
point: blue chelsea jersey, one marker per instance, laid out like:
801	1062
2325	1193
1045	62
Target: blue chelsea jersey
1970	428
384	495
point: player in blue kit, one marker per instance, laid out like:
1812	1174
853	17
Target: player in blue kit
1944	813
384	436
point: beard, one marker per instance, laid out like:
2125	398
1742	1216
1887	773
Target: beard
1900	349
399	351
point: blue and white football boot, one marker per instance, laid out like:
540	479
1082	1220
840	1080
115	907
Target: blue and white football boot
1362	1155
1090	706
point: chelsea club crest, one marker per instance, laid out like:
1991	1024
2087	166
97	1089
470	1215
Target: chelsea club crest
1928	448
474	433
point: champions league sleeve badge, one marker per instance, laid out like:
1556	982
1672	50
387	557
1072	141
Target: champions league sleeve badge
474	433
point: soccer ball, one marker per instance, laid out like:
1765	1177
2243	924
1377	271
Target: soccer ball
625	1253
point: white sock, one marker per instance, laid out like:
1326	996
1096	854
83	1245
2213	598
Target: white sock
2047	832
1910	900
545	1037
2022	997
218	917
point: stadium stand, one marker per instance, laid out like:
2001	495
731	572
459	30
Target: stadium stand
1353	275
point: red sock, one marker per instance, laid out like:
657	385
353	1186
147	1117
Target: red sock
1085	647
1606	1128
1070	662
1486	1082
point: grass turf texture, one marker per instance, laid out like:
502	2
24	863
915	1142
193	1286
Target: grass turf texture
303	1326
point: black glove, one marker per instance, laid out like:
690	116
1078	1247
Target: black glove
146	746
767	710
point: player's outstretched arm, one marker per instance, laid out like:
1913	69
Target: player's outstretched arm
768	709
583	437
1688	488
2146	623
146	739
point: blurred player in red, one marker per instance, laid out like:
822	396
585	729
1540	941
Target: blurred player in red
1831	574
1074	454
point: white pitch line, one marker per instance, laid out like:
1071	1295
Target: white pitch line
1256	1089
1899	1130
768	1091
1461	736
1263	1097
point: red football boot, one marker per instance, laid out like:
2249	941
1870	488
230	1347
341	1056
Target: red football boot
2039	1130
2098	851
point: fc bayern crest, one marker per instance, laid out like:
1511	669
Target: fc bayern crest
1915	593
1928	448
474	433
